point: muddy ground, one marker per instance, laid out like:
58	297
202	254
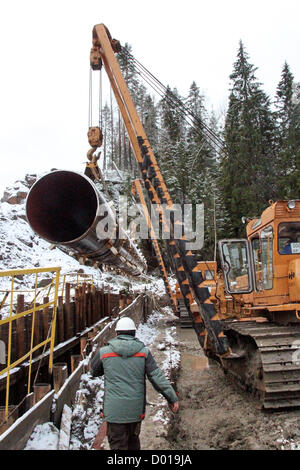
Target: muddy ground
215	414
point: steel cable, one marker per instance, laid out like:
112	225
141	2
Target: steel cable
189	117
100	99
90	98
169	96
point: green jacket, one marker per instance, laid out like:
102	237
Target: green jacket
125	363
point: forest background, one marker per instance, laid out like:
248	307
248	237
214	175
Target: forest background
234	162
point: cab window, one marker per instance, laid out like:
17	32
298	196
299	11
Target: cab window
236	265
257	263
289	238
266	241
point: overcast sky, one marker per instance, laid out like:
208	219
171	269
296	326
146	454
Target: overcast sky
45	49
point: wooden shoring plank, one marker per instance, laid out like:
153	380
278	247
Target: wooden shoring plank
89	305
36	333
60	320
60	375
75	359
77	311
81	313
67	308
66	395
84	306
93	300
45	319
20	327
40	390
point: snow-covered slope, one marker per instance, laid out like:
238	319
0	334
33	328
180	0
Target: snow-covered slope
21	248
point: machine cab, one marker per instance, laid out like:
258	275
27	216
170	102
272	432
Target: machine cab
237	266
248	264
264	262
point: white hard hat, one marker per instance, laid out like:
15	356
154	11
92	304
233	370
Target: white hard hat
125	324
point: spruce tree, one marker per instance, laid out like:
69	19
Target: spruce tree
127	68
287	137
144	104
171	118
248	164
150	121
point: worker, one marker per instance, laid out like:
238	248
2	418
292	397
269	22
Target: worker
287	248
125	362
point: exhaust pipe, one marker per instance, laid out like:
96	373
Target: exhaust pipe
65	208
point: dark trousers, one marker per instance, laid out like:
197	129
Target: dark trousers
124	436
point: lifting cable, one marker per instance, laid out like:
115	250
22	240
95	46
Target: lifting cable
90	110
165	93
90	115
171	98
100	99
178	102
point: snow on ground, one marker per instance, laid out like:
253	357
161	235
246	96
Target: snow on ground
172	353
288	444
44	437
169	345
86	418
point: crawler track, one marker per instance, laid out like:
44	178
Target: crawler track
185	321
266	362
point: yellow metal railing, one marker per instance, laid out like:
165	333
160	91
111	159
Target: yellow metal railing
32	308
74	279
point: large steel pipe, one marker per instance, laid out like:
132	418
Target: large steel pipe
67	209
